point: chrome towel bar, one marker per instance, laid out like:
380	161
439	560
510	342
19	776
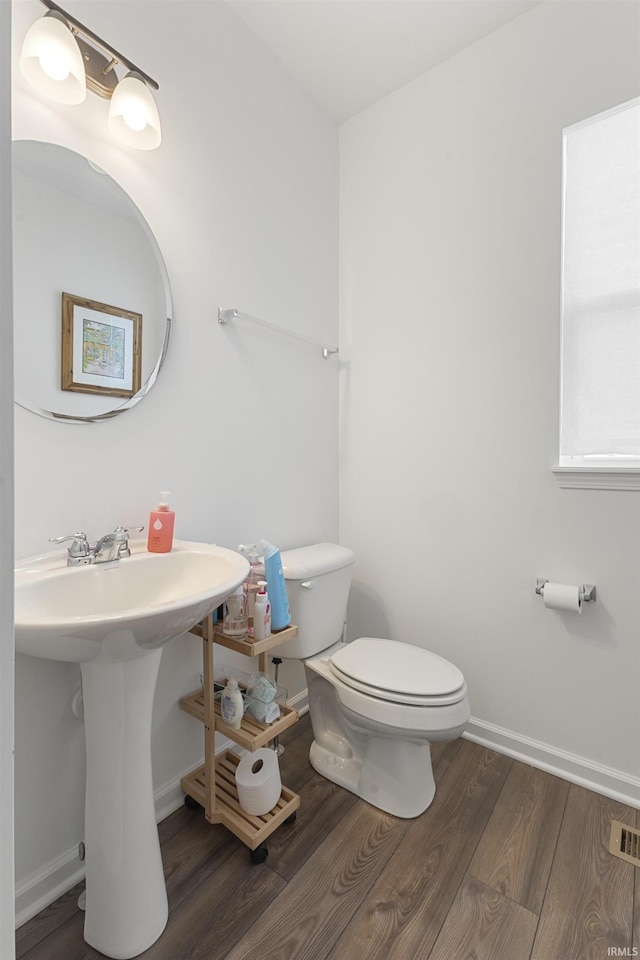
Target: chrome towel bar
231	313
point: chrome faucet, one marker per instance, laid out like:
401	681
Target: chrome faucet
113	546
107	547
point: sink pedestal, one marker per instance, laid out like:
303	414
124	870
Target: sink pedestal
127	905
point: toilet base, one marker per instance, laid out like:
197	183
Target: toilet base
390	771
394	777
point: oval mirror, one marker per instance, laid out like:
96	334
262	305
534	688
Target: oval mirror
92	304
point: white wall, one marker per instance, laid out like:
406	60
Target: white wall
450	296
242	424
6	503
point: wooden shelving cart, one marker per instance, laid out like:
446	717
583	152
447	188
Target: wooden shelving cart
212	785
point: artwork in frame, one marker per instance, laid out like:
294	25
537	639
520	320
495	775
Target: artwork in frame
101	348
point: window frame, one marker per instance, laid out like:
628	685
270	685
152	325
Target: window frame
592	472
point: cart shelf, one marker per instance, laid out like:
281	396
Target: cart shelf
251	830
252	734
249	647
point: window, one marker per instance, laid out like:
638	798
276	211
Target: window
600	405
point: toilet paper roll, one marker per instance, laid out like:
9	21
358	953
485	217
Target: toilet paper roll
562	596
258	781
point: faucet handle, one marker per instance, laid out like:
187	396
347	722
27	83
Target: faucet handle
121	536
78	551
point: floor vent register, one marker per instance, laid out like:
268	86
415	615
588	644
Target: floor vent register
624	842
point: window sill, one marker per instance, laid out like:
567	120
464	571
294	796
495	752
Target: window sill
598	478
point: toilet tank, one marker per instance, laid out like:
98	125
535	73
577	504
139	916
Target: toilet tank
318	578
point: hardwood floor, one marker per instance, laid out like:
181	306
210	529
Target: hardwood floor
508	863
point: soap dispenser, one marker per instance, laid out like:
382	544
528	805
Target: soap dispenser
161	523
232	704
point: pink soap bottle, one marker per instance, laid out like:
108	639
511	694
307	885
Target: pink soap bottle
161	523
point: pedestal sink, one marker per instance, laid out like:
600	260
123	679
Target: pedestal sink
113	619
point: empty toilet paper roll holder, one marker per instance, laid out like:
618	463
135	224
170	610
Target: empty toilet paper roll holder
587	590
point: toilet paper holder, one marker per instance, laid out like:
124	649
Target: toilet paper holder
587	590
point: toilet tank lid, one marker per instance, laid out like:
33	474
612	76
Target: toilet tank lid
314	560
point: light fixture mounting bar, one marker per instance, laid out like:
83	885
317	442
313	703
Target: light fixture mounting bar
94	38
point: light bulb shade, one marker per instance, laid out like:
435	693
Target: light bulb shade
51	60
133	114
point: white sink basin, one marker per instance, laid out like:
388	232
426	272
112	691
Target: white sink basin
113	619
136	604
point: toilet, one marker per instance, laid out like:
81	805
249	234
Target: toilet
375	704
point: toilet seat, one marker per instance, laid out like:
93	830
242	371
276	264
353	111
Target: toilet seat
398	672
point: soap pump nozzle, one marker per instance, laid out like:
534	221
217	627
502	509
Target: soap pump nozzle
249	551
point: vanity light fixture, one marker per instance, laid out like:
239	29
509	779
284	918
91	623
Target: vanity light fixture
61	59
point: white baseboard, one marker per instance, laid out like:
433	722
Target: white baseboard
300	702
569	766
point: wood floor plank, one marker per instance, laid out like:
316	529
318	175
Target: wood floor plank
48	920
309	916
406	908
443	757
173	824
589	903
65	943
485	925
322	805
207	924
516	851
193	854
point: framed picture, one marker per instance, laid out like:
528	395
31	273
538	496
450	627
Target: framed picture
101	348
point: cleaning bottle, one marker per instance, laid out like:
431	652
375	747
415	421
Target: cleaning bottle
161	523
236	622
261	613
280	613
231	704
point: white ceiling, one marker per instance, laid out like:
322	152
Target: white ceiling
349	53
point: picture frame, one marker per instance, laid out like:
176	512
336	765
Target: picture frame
101	348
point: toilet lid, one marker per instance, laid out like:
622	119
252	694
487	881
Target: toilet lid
397	671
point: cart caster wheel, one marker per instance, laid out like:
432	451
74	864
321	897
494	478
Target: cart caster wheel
292	818
260	854
191	803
